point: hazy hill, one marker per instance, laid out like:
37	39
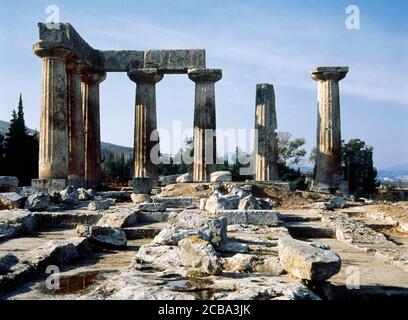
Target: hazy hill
4	125
106	147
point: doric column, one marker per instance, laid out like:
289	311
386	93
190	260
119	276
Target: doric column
328	158
76	167
266	125
205	149
145	121
92	127
53	156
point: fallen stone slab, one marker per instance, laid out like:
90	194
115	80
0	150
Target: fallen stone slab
103	235
336	203
221	176
56	252
140	198
119	196
69	196
163	258
199	256
132	284
307	262
255	217
37	202
99	205
121	219
260	287
152	216
171	235
8	183
250	263
144	232
14	223
355	233
211	229
178	202
234	247
221	202
66	219
7	261
263	217
239	191
187	177
233	216
249	203
11	200
151	207
35	262
84	194
166	180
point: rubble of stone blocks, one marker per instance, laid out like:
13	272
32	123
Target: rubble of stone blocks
230	242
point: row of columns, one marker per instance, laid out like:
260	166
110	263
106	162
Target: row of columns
328	175
146	121
69	125
70	143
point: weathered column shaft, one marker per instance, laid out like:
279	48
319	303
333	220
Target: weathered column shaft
266	125
145	122
328	156
92	128
205	148
53	155
76	125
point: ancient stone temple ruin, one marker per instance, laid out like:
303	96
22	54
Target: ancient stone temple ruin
184	239
70	119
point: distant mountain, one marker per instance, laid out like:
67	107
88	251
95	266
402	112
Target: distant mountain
4	126
105	146
114	148
400	167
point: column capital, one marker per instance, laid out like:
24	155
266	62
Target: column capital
93	77
329	73
150	76
205	75
44	50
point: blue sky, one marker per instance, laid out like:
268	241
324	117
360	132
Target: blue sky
277	42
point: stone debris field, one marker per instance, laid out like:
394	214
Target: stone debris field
219	240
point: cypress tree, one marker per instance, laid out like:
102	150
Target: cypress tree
21	148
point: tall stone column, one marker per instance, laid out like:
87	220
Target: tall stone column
76	167
145	121
92	127
266	125
328	158
205	149
53	156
